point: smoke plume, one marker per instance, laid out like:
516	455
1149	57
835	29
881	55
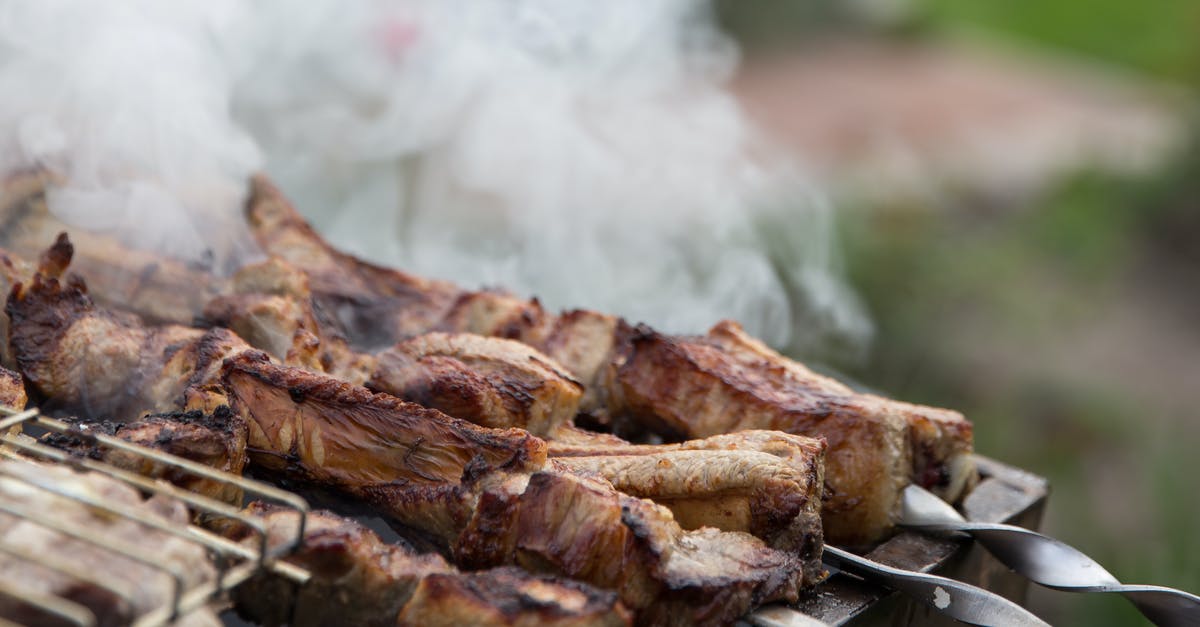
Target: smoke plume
583	152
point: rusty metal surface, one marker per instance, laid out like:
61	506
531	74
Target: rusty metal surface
1005	494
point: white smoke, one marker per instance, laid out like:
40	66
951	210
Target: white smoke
130	101
583	152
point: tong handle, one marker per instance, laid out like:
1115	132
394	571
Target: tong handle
956	599
1057	565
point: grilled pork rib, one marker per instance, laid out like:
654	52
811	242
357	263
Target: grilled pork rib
766	483
489	497
489	381
98	363
270	305
216	440
501	383
677	387
357	579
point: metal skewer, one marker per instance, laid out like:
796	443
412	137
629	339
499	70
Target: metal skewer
955	599
1047	561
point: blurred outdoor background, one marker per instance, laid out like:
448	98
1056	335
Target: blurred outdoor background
1017	189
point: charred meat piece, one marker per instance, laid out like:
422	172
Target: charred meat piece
487	497
357	579
13	269
344	435
689	388
97	363
582	341
115	588
271	307
561	522
766	483
12	390
675	387
216	440
489	381
942	440
153	286
376	306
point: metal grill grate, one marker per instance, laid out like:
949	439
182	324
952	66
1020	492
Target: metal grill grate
236	562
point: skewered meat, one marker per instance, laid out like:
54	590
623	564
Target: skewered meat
12	390
941	439
375	306
673	386
216	440
294	434
357	579
271	308
765	483
489	381
686	387
117	589
489	498
97	363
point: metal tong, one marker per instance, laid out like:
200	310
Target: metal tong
1047	561
955	599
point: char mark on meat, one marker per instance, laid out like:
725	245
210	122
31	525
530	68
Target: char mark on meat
490	498
357	579
489	381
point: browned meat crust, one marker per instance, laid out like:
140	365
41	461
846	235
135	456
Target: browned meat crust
676	387
942	440
509	596
12	390
344	435
13	269
376	305
489	381
766	483
101	364
216	440
688	388
561	522
472	489
271	307
357	579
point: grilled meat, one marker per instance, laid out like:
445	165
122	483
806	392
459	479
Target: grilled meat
271	307
97	363
941	439
357	579
675	387
489	498
561	522
490	381
766	483
216	440
115	588
344	435
13	269
12	390
686	387
375	306
157	288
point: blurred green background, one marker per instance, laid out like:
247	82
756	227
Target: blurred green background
1064	320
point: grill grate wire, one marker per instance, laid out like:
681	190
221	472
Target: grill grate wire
236	562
